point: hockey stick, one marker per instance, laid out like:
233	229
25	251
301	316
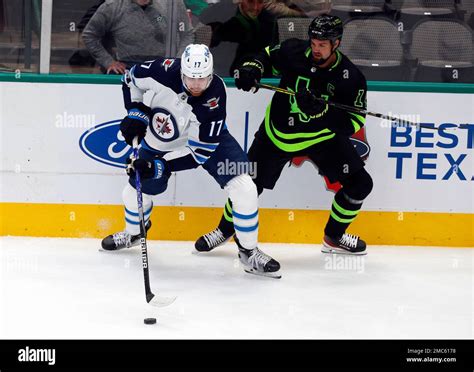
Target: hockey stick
158	301
353	109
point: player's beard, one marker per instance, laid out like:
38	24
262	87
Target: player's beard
321	61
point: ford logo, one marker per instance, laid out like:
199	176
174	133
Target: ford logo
105	143
362	148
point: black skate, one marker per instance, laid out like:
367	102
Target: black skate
211	240
346	244
258	263
122	240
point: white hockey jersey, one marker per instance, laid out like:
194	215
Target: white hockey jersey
186	128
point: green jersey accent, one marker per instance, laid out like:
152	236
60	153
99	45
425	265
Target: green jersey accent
357	121
338	60
281	139
356	125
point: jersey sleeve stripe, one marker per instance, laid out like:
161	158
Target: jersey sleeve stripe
202	145
199	159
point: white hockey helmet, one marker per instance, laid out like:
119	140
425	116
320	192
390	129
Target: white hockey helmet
197	67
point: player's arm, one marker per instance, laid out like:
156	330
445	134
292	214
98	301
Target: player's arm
189	157
202	142
353	94
251	70
135	83
198	150
140	79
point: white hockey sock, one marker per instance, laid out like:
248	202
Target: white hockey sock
243	194
129	197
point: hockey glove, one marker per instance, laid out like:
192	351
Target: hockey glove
248	75
135	123
148	169
309	103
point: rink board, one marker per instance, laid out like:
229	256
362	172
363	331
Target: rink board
276	225
58	176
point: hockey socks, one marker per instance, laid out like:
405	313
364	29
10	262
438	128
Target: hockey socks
344	210
132	222
226	224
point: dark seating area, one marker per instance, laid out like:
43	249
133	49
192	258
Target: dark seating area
347	9
378	58
409	40
392	40
292	27
443	50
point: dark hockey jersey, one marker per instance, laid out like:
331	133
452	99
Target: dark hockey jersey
287	126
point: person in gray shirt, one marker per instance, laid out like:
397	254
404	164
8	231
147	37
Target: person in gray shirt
138	28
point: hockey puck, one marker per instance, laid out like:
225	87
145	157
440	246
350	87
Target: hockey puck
149	321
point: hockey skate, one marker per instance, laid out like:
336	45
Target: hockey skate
211	240
258	263
346	244
122	240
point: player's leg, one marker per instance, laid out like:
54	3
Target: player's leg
225	230
131	235
266	164
339	161
243	194
344	210
230	168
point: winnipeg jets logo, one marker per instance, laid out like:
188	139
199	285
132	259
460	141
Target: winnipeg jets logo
213	103
167	63
164	125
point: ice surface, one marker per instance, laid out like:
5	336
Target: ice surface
67	289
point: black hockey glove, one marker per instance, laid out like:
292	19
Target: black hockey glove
248	75
309	103
135	123
148	169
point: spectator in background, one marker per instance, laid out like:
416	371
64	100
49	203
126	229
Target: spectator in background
82	57
253	28
196	6
283	8
138	29
297	8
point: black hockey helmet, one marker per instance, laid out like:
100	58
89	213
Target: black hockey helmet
326	27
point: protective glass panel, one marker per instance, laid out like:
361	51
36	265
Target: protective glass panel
20	24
